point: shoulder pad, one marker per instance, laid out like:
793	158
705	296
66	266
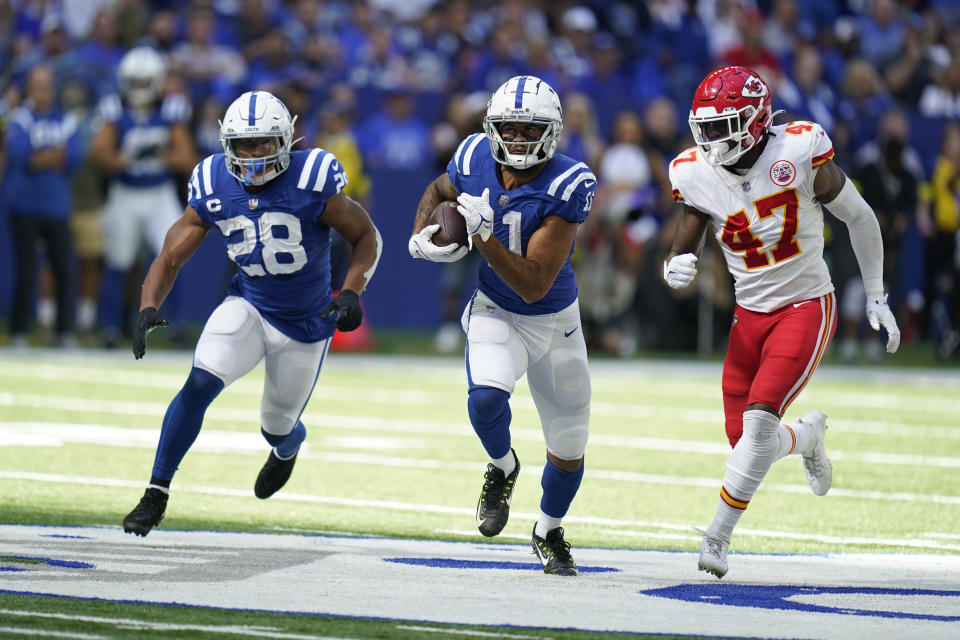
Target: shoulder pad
176	108
563	185
202	183
466	158
315	168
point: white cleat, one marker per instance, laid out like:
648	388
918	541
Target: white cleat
713	554
816	465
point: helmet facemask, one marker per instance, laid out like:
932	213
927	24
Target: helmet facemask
724	137
269	161
535	151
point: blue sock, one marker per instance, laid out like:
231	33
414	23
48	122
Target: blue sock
559	488
489	411
111	299
181	424
289	444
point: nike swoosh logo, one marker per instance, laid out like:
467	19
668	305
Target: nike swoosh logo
589	183
567	334
797	304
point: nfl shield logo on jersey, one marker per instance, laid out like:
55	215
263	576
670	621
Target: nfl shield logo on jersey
254	203
504	199
782	172
746	186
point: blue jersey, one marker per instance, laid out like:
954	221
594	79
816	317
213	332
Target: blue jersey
144	136
276	236
564	188
43	193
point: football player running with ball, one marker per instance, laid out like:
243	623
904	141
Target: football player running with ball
522	204
761	187
274	209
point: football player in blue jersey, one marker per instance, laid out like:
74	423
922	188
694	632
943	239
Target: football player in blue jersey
141	143
274	209
522	203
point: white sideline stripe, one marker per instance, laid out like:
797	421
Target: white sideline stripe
266	632
469	632
464	511
51	634
948	404
54	433
417	398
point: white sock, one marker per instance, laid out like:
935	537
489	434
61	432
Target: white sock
748	464
86	314
46	312
506	464
546	523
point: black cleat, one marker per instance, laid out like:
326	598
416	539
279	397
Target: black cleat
147	514
554	553
493	508
273	475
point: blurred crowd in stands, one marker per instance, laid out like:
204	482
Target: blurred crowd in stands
396	84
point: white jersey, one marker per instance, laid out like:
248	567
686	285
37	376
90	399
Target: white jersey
767	221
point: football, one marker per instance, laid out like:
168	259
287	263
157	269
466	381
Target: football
453	228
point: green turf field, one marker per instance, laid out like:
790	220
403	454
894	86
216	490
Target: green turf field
390	451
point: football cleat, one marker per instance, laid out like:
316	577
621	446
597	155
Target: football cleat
816	465
147	514
554	553
273	475
493	507
713	554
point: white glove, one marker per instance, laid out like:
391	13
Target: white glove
680	271
878	313
478	214
421	246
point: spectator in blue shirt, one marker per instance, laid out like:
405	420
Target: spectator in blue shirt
395	137
43	149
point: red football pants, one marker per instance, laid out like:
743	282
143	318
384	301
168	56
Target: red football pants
771	356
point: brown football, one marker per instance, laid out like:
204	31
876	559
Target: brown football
453	228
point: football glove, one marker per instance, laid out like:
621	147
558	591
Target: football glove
879	314
478	214
348	310
421	246
148	320
680	271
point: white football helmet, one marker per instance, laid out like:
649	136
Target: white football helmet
257	114
524	99
140	76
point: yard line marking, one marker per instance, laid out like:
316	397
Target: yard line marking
244	630
469	632
51	634
52	434
459	511
947	404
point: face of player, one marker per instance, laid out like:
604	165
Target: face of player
515	134
252	148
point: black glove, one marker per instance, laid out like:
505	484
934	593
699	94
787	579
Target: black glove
148	320
347	306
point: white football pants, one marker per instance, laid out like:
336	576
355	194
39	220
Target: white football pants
236	338
133	216
550	349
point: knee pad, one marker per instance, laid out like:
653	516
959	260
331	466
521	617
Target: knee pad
760	431
571	379
566	438
490	416
486	405
201	385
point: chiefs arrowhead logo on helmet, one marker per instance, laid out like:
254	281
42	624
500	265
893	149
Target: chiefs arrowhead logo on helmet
754	88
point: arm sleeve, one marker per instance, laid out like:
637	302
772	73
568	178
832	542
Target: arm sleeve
850	207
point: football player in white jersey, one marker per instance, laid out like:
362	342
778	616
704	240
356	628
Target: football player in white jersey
274	209
760	187
141	144
522	203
